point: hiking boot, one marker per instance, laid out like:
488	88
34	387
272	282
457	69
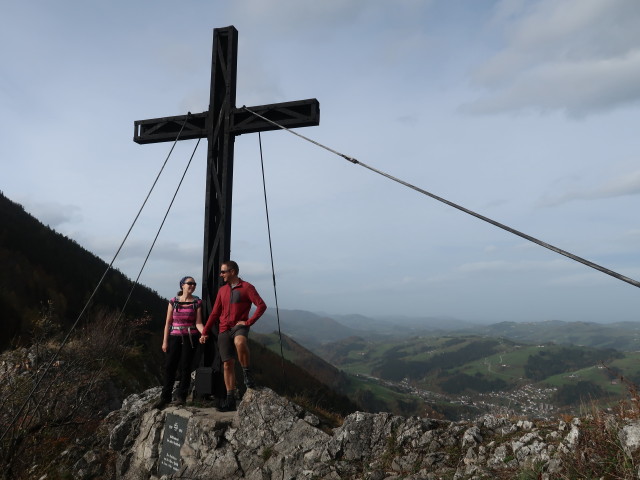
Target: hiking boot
248	379
229	405
160	404
178	402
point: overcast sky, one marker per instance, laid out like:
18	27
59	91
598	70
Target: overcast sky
525	111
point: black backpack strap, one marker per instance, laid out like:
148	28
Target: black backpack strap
176	303
195	303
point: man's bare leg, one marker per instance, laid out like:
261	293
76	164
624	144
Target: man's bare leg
242	348
229	371
230	375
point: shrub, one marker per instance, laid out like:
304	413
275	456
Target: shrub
53	395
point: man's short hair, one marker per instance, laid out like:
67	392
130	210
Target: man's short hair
232	265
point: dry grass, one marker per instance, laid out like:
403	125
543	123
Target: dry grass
599	452
328	420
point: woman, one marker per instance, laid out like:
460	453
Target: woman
182	331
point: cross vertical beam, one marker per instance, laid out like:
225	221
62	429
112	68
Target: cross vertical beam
220	125
217	211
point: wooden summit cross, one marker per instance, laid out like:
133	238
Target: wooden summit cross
220	125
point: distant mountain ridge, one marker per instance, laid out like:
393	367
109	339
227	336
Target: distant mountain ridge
623	336
305	327
391	324
316	329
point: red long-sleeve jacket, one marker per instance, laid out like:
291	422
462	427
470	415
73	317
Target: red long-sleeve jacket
232	305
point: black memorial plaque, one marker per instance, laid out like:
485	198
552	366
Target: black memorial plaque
175	430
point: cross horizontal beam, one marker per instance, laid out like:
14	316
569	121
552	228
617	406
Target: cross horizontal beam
301	113
166	129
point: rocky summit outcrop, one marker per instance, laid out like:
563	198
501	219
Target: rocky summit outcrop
270	437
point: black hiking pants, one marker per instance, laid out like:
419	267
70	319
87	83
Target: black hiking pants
179	361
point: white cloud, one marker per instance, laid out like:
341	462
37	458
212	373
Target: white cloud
52	213
409	119
287	16
258	85
576	56
134	250
628	184
253	270
518	266
579	279
633	234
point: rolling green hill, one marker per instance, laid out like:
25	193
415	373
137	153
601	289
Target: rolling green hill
623	336
367	393
474	367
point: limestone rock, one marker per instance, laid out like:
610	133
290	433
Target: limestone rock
630	437
270	437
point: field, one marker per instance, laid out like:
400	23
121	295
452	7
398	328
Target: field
462	373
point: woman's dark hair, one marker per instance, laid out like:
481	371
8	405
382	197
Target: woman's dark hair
183	280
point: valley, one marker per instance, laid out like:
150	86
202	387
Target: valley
465	376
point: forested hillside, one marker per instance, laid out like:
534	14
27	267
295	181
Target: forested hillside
43	270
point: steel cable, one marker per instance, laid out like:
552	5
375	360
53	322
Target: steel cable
164	219
273	271
465	210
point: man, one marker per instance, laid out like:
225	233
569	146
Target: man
231	313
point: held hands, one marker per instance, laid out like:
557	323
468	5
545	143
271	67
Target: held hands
204	338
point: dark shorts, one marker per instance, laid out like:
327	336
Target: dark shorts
226	346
